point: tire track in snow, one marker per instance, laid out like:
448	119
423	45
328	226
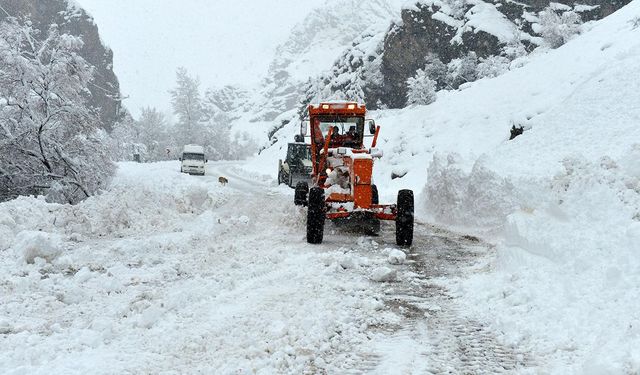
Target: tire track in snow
435	336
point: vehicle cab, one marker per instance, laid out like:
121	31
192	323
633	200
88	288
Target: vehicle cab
193	160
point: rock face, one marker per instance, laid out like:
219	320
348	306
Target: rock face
376	68
486	28
72	19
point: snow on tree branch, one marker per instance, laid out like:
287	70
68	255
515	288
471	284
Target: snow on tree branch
50	143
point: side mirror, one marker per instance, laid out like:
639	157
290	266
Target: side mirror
298	138
372	126
303	127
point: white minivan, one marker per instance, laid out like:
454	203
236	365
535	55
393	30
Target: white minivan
193	160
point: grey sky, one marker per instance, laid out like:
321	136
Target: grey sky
221	41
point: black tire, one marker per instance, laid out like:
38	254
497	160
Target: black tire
300	194
290	180
315	216
279	176
375	199
404	218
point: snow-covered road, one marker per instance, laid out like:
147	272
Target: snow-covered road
170	273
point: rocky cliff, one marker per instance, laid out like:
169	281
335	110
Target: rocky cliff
376	68
450	29
72	19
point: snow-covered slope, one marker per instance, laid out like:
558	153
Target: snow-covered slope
320	38
312	47
562	201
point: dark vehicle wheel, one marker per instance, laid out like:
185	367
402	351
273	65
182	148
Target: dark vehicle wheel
315	216
374	195
300	194
404	218
290	182
279	177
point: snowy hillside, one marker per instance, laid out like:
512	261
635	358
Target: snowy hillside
316	42
562	201
313	45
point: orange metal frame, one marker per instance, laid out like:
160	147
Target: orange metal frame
360	170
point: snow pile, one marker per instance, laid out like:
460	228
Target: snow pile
566	194
31	245
480	198
382	274
396	256
569	274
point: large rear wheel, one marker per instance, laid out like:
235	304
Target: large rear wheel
404	218
315	216
300	193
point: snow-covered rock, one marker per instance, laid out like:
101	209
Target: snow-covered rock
396	256
384	274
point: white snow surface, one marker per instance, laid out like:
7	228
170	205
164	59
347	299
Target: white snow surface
170	273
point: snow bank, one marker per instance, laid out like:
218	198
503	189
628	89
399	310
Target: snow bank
478	198
561	200
30	245
567	276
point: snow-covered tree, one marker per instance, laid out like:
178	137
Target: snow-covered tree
187	105
463	70
556	29
49	138
492	66
421	89
154	133
436	70
126	139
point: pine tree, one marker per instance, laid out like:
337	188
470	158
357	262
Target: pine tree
187	105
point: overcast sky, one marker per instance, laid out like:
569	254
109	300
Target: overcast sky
221	41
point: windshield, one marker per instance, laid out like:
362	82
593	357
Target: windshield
192	156
347	131
299	152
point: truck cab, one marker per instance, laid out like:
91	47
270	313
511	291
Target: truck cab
193	160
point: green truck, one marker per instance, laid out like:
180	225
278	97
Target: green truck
297	166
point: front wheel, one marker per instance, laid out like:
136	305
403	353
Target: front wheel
315	216
300	193
404	218
374	195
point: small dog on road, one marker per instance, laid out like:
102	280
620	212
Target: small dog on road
222	180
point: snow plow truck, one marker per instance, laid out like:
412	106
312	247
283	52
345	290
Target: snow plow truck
341	181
